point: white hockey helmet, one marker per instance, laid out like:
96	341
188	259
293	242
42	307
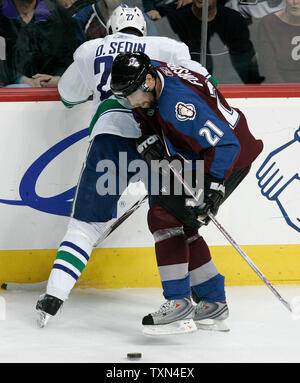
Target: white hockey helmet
126	17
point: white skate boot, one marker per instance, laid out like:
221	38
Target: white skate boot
173	317
211	316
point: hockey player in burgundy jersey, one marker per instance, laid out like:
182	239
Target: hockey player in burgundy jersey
182	115
113	130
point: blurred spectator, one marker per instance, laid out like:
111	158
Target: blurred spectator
39	42
156	9
255	9
279	44
66	3
91	20
233	31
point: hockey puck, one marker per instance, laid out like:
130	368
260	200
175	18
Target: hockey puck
4	286
134	355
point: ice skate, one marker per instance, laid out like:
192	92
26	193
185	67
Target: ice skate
173	317
47	306
211	316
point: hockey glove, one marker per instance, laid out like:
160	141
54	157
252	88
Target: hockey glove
214	192
150	147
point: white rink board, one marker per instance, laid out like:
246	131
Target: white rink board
30	129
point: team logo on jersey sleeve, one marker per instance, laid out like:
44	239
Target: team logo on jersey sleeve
185	111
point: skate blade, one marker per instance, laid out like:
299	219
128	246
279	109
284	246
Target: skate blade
212	325
179	327
42	319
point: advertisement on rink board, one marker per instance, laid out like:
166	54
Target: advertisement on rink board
43	146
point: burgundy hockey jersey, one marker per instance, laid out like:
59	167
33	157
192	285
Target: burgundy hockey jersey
195	121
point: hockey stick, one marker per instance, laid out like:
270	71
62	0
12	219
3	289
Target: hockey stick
295	309
250	263
123	218
24	286
111	229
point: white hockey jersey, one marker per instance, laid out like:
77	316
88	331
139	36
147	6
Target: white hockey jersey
89	74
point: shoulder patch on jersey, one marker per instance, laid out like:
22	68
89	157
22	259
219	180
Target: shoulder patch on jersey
185	111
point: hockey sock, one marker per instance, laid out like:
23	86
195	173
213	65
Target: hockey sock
72	256
172	252
205	278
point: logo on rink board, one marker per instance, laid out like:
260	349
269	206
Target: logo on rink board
105	184
60	204
279	179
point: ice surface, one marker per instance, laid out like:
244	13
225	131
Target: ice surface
104	325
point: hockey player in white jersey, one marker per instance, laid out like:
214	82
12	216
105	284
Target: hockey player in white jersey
112	130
